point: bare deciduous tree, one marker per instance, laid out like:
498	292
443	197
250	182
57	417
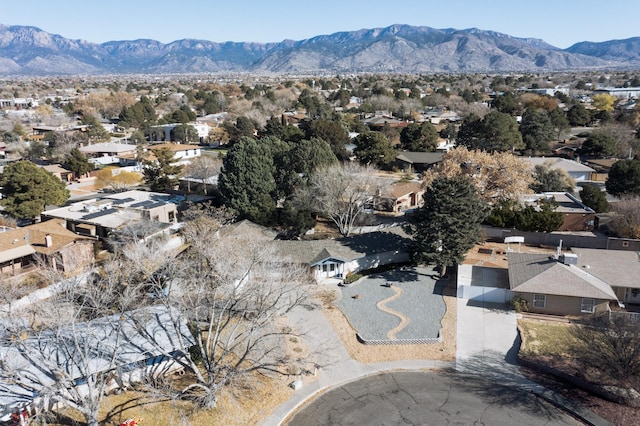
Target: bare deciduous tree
611	345
235	293
51	356
203	168
340	193
625	220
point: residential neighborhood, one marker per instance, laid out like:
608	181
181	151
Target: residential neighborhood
203	243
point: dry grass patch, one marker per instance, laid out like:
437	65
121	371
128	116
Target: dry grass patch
247	402
541	338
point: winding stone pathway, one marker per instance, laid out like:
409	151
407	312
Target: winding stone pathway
403	320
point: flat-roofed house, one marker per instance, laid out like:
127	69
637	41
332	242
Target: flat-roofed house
99	216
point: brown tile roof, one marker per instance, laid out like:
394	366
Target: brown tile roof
400	189
34	235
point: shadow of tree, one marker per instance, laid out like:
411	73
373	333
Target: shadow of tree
510	387
115	414
376	242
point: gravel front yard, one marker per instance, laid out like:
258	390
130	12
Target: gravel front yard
418	299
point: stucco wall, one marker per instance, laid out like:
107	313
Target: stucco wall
562	305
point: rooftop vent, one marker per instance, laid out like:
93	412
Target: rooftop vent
569	259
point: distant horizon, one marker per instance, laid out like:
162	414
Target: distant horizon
558	23
300	39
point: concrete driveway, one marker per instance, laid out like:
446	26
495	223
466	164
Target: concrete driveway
487	338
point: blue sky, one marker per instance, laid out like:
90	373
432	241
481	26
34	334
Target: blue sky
558	22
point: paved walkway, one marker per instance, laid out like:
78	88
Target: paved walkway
382	305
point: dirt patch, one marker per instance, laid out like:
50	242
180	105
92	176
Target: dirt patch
495	254
615	413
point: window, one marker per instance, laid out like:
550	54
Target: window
588	306
539	301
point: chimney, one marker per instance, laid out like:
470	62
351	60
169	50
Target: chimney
48	242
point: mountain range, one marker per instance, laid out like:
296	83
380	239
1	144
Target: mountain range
30	51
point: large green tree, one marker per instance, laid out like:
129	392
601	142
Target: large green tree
140	114
277	129
591	196
497	131
578	115
29	188
536	129
599	144
419	137
448	224
95	131
333	132
501	132
162	174
78	163
374	148
624	178
247	182
184	133
539	218
559	120
505	103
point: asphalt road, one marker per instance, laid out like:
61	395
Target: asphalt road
428	398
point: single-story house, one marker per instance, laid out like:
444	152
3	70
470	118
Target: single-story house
49	242
126	347
400	197
380	121
618	268
59	172
163	132
107	149
575	215
182	152
337	258
108	153
417	161
331	258
557	285
577	171
97	217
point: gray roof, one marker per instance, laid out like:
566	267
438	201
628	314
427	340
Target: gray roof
420	157
345	249
543	274
558	163
247	230
618	268
126	335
